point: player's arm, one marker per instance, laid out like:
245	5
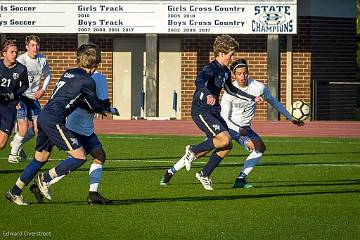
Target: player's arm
46	74
91	102
102	92
201	81
280	107
232	90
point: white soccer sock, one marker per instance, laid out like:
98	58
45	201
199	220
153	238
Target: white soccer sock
95	174
29	134
179	165
54	176
16	144
251	161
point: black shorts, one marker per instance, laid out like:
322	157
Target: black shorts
54	133
210	123
89	143
7	118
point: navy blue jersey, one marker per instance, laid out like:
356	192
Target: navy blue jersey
211	80
74	88
14	79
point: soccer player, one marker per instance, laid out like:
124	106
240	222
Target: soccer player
205	112
75	88
238	114
37	67
13	83
81	123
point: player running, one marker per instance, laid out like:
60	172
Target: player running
205	111
81	123
13	83
29	106
75	88
238	114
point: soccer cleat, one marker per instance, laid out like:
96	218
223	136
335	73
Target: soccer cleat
96	198
36	191
22	154
43	187
241	183
189	157
205	181
165	180
14	159
17	199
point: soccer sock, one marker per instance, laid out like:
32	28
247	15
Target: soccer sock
16	144
213	162
63	168
206	145
27	175
29	134
250	163
95	174
178	166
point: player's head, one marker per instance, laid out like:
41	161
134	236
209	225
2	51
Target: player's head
9	51
224	48
32	44
88	56
240	70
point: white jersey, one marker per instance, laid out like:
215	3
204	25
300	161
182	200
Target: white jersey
80	120
36	67
239	113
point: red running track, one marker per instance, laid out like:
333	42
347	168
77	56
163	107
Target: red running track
263	128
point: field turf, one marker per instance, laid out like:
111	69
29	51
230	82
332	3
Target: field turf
305	188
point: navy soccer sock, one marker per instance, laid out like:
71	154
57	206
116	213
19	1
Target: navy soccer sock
213	162
206	145
63	168
26	176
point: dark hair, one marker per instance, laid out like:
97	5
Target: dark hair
238	63
7	43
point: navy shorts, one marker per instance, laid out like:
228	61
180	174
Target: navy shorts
29	109
7	119
89	143
57	134
243	140
210	123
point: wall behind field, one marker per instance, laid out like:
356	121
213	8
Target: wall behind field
323	49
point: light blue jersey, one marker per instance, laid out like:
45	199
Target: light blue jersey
81	121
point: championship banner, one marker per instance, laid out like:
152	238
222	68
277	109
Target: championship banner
162	17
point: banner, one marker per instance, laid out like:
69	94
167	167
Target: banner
162	17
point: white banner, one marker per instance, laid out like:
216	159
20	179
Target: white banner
178	17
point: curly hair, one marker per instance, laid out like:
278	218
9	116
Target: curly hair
88	55
224	44
33	38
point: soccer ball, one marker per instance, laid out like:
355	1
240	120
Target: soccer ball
300	110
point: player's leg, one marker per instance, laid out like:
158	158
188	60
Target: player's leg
22	126
64	139
222	142
180	164
254	144
43	146
34	109
215	125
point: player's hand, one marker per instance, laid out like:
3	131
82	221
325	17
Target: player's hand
298	123
39	93
210	100
115	111
18	106
259	100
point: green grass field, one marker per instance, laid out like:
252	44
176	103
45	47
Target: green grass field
305	188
